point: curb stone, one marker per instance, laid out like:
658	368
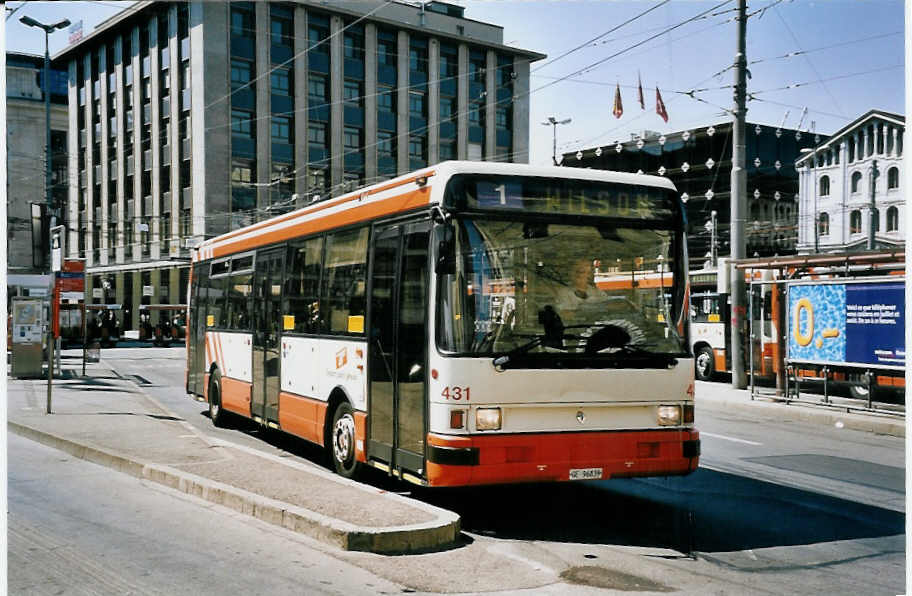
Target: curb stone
436	534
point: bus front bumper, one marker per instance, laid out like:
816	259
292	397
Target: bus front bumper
555	457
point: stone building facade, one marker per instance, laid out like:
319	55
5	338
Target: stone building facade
836	183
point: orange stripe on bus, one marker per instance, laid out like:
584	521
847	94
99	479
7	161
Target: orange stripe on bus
367	212
302	416
361	436
317	208
236	396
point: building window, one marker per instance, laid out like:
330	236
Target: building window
281	129
824	186
855	222
892	219
823	226
386	52
417	148
447	108
241	72
316	88
280	81
316	134
856	182
417	104
242	23
385	143
351	138
502	117
316	180
353	46
447	150
386	99
282	31
417	59
448	65
351	93
477	69
475	114
241	123
241	171
316	35
893	178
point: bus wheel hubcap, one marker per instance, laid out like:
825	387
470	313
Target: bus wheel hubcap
702	362
344	438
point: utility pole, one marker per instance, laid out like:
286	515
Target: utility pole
739	201
873	216
552	121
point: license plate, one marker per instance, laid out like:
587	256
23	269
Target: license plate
586	474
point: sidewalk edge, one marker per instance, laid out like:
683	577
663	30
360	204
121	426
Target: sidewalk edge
437	534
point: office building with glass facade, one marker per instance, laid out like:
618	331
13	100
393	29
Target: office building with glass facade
187	120
699	162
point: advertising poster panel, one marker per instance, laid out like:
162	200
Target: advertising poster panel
859	324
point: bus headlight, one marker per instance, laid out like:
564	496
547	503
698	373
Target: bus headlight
668	415
487	419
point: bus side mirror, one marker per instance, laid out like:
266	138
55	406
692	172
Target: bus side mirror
445	263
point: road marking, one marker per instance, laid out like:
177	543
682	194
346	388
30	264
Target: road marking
724	438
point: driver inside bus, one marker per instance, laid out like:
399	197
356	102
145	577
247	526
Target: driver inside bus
580	302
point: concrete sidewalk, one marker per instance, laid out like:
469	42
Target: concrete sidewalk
718	396
108	420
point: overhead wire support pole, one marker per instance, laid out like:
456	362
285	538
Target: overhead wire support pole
738	202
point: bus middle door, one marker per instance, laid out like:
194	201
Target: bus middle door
267	306
397	411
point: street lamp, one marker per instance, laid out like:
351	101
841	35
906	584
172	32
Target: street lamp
552	121
48	29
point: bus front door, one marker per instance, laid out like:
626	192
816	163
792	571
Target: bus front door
267	305
397	410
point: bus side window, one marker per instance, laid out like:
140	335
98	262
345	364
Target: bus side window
239	291
344	281
218	301
302	285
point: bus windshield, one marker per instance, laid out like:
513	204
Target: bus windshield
562	288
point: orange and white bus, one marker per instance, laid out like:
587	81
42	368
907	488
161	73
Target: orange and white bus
446	326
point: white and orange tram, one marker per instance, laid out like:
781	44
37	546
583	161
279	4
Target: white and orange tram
448	328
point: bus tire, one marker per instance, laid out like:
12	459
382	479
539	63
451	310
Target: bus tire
216	413
703	364
342	441
859	390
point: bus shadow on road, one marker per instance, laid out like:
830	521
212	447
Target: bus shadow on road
708	511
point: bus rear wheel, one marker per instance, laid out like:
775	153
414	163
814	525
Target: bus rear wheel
703	364
342	442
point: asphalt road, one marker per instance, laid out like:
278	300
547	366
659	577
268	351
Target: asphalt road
776	507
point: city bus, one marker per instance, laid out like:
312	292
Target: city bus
710	323
446	326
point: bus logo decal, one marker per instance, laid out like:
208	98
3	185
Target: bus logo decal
341	358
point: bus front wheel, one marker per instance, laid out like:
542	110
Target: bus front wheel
703	364
216	414
342	442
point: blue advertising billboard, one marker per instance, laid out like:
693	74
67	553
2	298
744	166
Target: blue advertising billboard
859	324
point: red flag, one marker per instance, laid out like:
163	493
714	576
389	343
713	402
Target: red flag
618	106
660	106
640	92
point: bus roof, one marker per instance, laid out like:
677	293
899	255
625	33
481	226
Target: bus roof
417	189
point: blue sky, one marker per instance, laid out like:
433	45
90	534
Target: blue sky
844	77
